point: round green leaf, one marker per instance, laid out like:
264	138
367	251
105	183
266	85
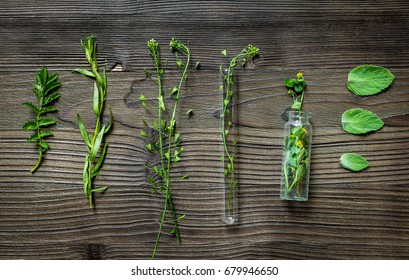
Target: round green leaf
353	162
367	80
360	121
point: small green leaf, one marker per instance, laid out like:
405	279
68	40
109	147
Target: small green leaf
224	52
95	103
45	122
167	155
367	80
161	103
181	217
189	112
30	125
84	72
31	106
45	110
353	162
44	134
149	147
185	177
51	98
177	136
143	133
97	143
174	91
85	176
101	159
33	137
44	146
83	131
99	189
360	121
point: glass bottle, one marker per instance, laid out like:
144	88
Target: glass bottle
228	120
296	156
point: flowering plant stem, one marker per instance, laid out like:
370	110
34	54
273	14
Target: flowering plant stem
227	88
170	151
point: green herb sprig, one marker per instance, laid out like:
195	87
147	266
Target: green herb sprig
93	162
227	87
296	88
44	89
167	144
296	152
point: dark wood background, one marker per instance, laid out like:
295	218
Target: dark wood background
348	215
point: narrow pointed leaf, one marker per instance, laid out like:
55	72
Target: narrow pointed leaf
367	80
83	131
96	100
84	72
85	176
161	103
99	189
360	121
353	162
97	144
101	159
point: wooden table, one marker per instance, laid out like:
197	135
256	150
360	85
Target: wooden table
348	216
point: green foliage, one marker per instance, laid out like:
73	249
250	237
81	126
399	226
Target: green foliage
248	53
44	89
93	144
353	162
169	151
367	80
296	88
296	158
360	121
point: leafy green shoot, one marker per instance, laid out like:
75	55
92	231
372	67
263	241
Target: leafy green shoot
45	90
94	144
167	144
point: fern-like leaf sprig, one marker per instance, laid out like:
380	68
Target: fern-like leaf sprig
45	90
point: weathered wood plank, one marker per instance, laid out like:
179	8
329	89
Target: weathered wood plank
362	215
304	34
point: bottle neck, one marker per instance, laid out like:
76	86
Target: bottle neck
299	116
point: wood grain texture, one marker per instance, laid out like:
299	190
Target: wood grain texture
348	216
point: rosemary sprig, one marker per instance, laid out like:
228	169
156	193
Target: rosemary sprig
44	89
170	151
227	87
93	162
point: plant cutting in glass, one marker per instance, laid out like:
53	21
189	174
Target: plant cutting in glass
96	155
228	120
296	151
166	141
